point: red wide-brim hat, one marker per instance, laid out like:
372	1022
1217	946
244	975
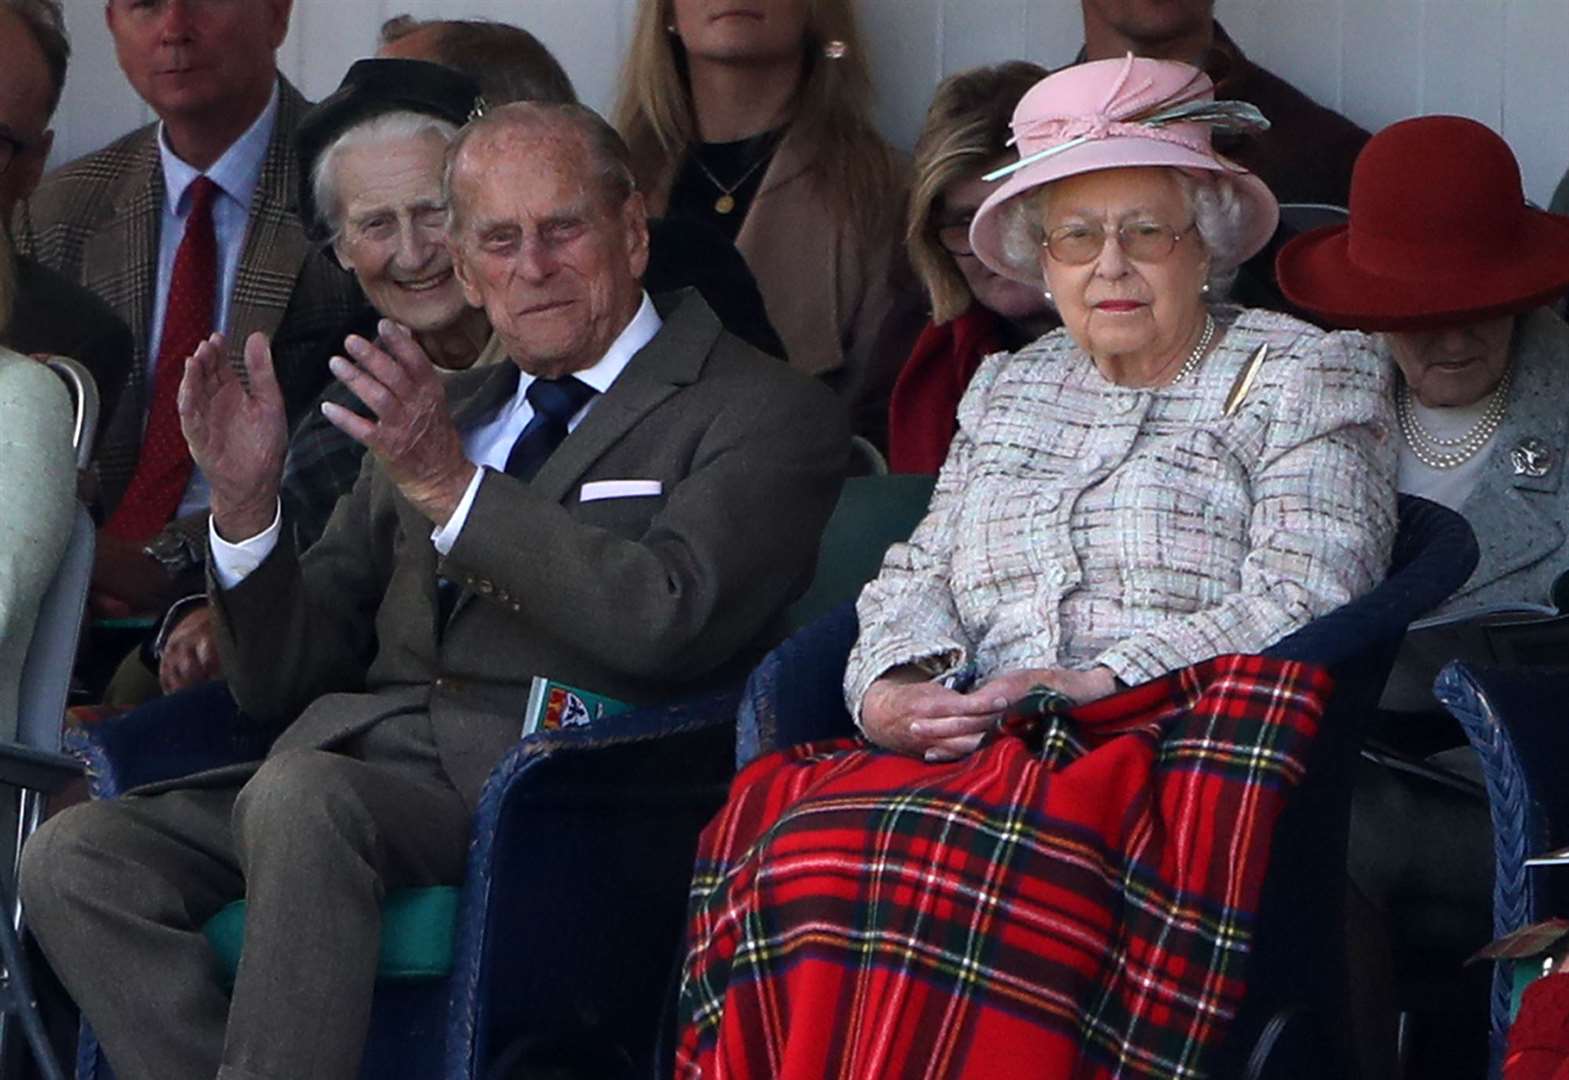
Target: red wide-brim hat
1439	235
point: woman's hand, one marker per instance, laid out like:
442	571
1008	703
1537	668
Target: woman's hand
906	711
1081	686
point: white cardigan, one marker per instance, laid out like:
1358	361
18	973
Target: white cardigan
37	499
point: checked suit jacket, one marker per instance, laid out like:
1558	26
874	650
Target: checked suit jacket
645	598
96	222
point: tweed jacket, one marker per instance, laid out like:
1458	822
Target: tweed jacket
832	292
646	599
1522	521
1076	523
96	222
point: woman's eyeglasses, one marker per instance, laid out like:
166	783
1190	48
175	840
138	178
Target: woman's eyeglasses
954	236
1141	241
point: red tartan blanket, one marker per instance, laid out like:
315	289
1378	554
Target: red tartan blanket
1075	899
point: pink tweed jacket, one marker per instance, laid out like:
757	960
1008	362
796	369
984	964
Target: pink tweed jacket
1078	523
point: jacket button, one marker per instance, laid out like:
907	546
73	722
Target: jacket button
483	587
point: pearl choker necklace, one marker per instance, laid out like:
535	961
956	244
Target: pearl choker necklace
1437	452
1198	351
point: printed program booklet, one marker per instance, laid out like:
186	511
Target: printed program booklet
554	705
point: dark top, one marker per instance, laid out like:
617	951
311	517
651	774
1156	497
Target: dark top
733	167
55	315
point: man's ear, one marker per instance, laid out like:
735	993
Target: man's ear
33	163
464	273
279	11
634	218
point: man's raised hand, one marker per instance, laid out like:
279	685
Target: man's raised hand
412	434
238	433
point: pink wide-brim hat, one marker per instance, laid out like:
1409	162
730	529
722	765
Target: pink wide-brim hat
1097	106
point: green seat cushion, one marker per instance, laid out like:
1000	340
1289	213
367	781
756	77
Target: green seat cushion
873	513
417	930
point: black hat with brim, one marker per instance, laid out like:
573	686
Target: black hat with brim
374	88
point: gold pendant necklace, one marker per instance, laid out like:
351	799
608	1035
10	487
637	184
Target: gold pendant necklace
726	201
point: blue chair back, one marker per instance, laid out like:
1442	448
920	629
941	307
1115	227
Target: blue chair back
1514	720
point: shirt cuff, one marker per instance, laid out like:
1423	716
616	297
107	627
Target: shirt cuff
233	563
445	537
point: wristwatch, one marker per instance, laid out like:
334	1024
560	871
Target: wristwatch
173	551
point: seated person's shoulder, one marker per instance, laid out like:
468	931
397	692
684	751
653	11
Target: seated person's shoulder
1041	360
1297	348
27	385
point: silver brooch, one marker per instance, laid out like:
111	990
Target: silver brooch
1531	457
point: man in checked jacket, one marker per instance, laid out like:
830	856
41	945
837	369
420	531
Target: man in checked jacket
119	221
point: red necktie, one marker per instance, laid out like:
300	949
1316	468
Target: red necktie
163	468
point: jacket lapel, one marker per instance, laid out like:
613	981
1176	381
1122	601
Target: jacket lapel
275	243
673	359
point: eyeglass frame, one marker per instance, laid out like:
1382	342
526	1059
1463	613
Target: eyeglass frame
1173	235
964	251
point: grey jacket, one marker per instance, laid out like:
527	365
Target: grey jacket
1521	520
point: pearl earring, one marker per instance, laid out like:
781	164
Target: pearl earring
1204	289
835	49
1047	294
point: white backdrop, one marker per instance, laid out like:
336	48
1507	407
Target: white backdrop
1503	62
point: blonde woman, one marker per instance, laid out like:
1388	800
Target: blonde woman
754	119
37	478
975	311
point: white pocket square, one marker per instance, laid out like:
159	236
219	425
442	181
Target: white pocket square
619	489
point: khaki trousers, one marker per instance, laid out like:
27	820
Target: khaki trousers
117	893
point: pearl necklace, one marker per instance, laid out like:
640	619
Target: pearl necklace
1438	452
1198	351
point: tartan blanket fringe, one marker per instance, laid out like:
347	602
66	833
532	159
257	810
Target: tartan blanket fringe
1075	899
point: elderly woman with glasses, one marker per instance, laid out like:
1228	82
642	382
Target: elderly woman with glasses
1131	501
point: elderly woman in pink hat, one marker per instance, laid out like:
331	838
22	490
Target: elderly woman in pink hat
979	888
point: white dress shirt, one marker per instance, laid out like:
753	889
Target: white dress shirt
236	173
486	444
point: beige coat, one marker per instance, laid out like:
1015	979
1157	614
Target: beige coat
1077	523
831	290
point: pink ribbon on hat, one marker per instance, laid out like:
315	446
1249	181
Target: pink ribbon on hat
1125	111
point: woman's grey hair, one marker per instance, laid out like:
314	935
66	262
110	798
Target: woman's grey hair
1216	205
387	127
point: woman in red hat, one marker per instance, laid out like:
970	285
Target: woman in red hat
1443	257
1445	261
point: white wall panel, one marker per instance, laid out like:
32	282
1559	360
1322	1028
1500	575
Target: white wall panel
1301	41
1505	62
1381	73
1462	62
1536	91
